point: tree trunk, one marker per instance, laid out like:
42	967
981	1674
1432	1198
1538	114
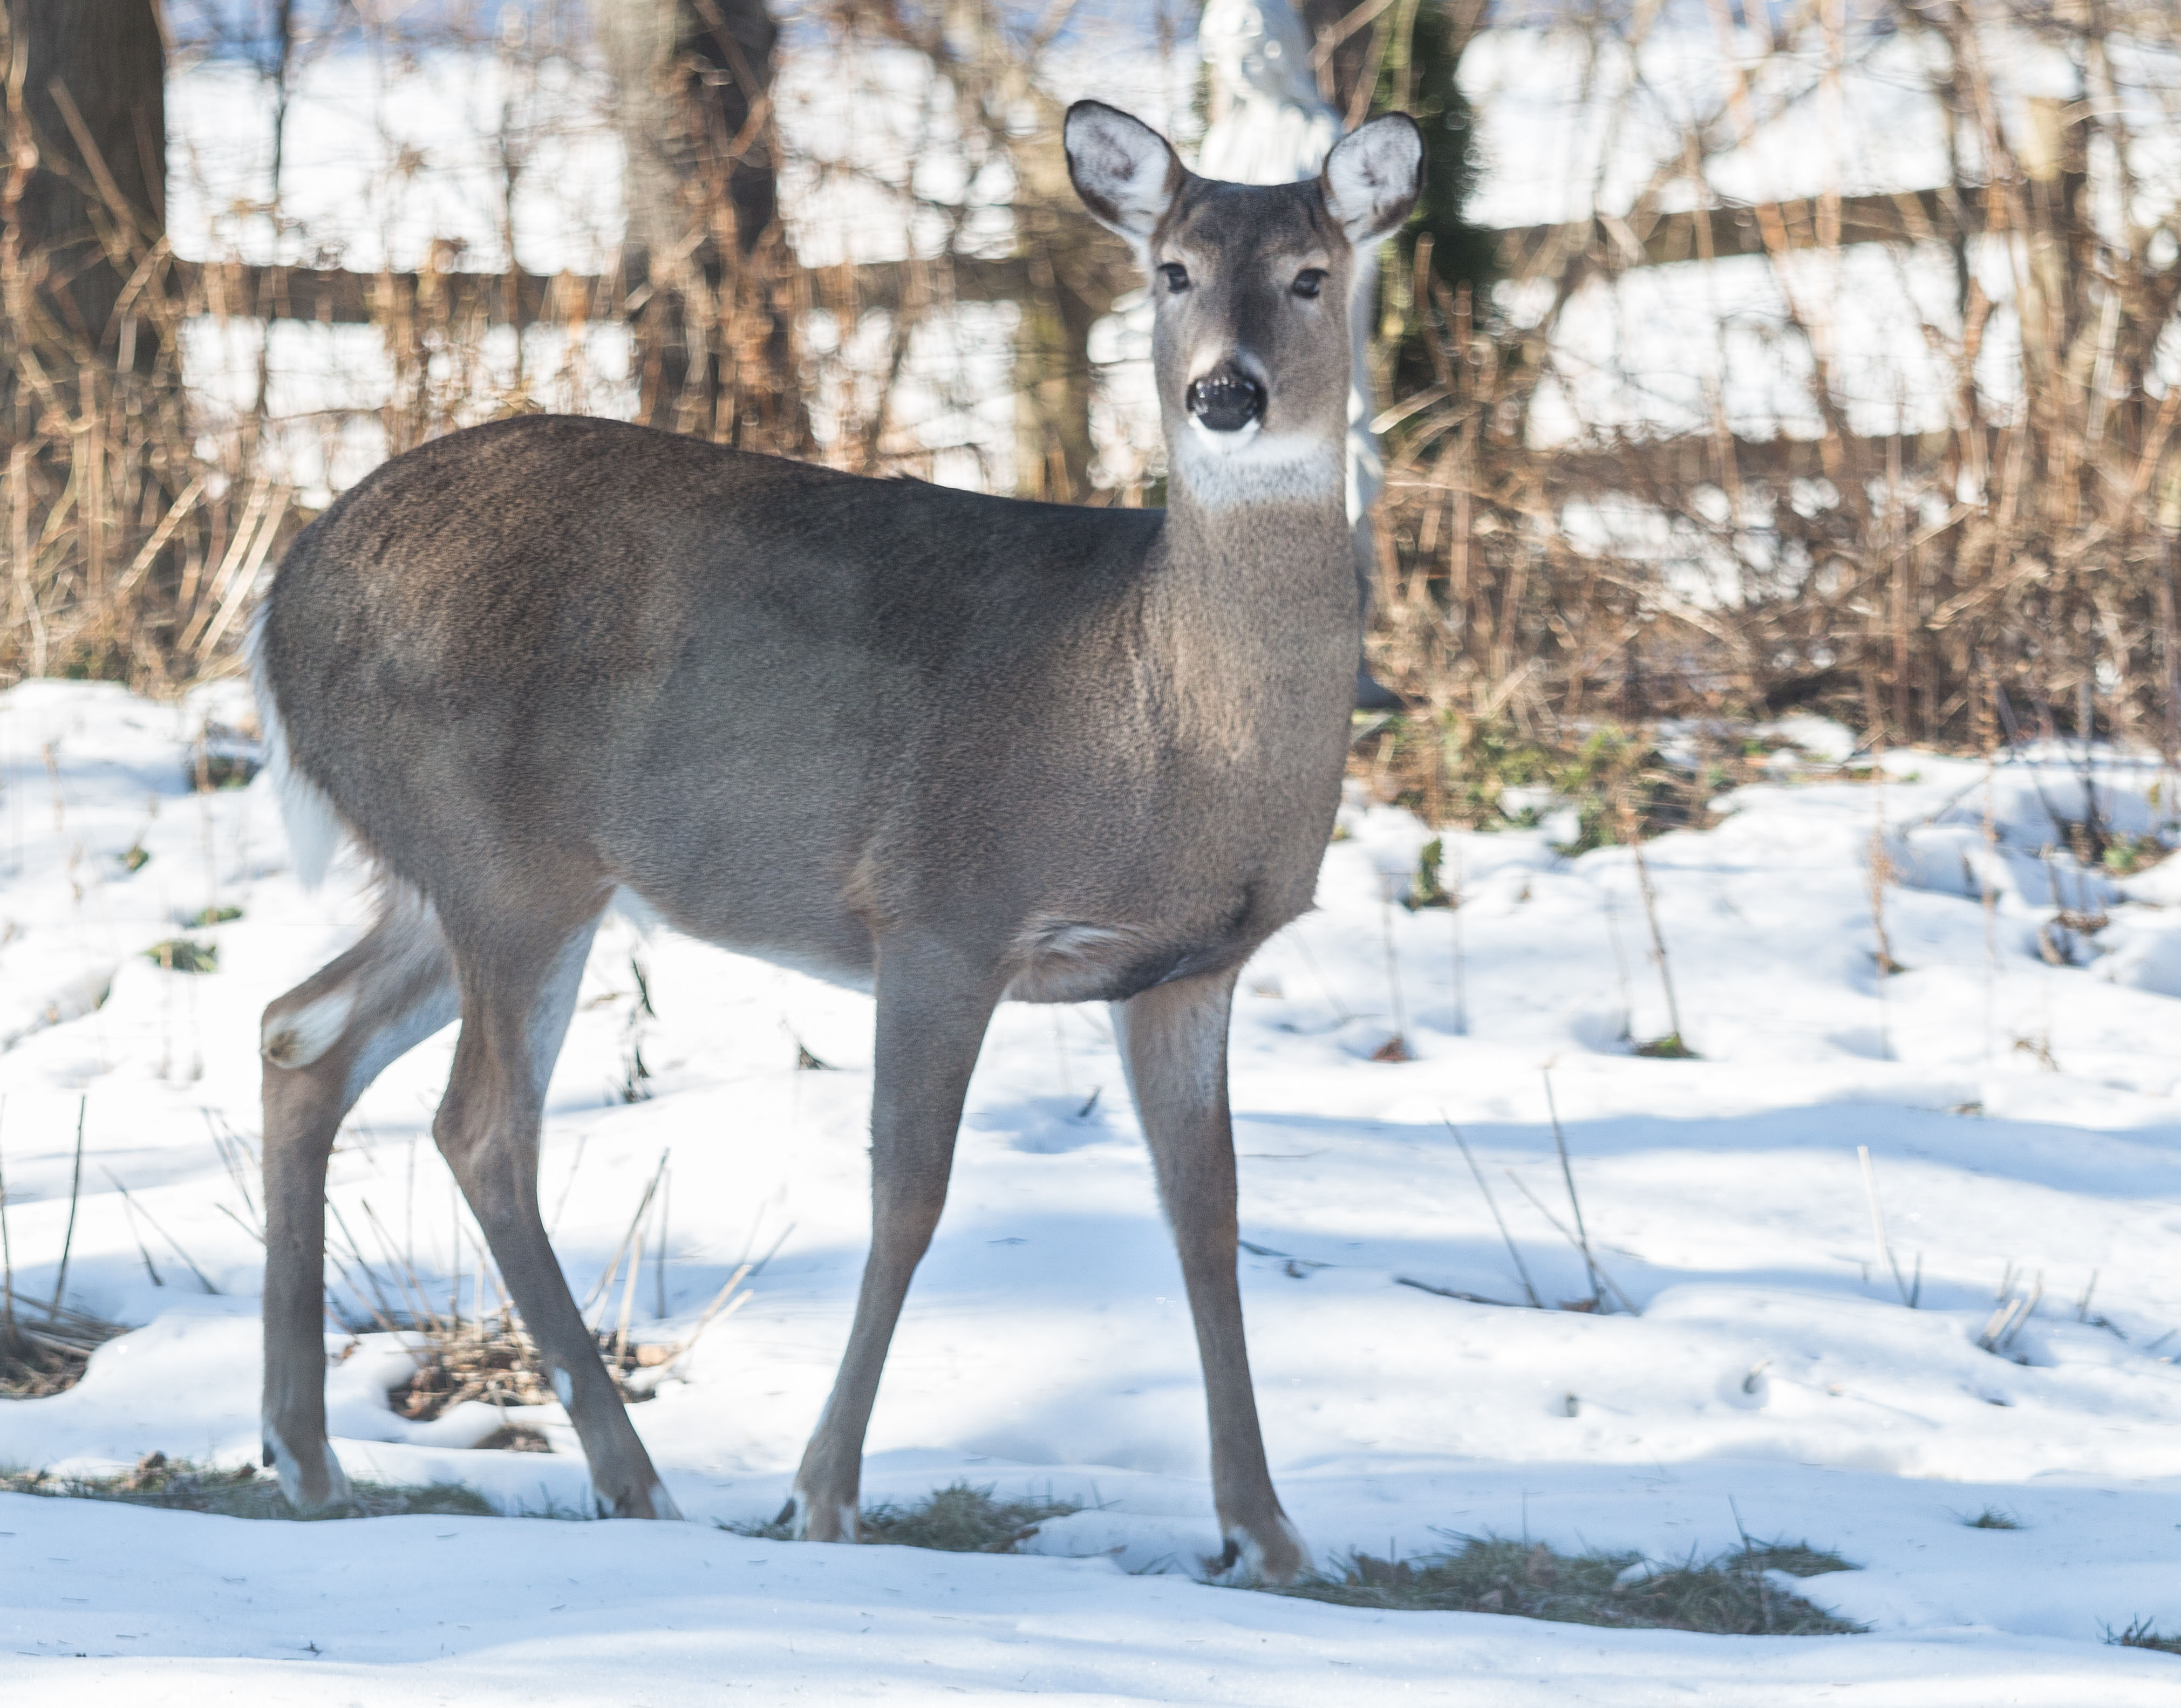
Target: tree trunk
85	201
91	414
705	259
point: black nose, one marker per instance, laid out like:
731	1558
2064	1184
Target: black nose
1226	402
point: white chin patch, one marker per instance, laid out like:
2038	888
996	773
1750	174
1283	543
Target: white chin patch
1225	444
1253	466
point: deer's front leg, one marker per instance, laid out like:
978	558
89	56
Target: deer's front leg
933	1007
1173	1045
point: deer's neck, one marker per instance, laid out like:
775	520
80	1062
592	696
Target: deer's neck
1252	617
1259	548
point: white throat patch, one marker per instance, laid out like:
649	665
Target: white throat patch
1251	467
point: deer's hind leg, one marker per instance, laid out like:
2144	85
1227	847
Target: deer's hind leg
322	1044
518	991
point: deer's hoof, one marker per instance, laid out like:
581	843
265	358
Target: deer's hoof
312	1480
825	1520
1265	1553
642	1498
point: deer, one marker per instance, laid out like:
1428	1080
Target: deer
947	748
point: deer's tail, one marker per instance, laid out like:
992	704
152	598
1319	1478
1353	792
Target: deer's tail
314	828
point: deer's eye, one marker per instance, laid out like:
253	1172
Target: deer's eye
1175	275
1310	281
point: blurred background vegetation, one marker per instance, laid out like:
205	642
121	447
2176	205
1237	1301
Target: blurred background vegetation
1743	359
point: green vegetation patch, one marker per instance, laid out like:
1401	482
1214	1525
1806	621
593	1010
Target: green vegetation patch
960	1519
185	955
1454	769
2126	856
1728	1596
241	1492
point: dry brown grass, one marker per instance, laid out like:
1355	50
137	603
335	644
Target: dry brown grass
495	1361
2011	574
240	1492
2008	575
2142	1633
45	1349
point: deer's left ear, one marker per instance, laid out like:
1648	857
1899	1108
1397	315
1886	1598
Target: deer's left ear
1373	177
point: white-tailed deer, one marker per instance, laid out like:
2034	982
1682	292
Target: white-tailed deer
954	748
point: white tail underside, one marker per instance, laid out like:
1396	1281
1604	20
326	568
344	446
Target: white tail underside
314	828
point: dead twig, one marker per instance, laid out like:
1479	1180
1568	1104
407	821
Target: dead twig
613	1269
1909	1296
204	1280
1567	1174
76	1193
1626	1303
1529	1291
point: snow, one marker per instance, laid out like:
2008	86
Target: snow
2018	1114
618	1613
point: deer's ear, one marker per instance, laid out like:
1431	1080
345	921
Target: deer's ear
1373	177
1124	170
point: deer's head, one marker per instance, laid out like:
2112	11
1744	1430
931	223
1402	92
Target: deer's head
1251	283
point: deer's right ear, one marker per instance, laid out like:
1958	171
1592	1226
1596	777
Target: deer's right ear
1124	170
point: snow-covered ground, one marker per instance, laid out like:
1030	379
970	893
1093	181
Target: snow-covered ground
2018	1116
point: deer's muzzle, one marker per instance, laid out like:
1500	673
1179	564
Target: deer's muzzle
1226	401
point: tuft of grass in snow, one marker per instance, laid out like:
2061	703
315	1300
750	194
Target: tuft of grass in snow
241	1493
1727	1595
185	955
1427	888
2126	856
2140	1634
1994	1518
224	758
1796	1559
960	1519
517	1438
